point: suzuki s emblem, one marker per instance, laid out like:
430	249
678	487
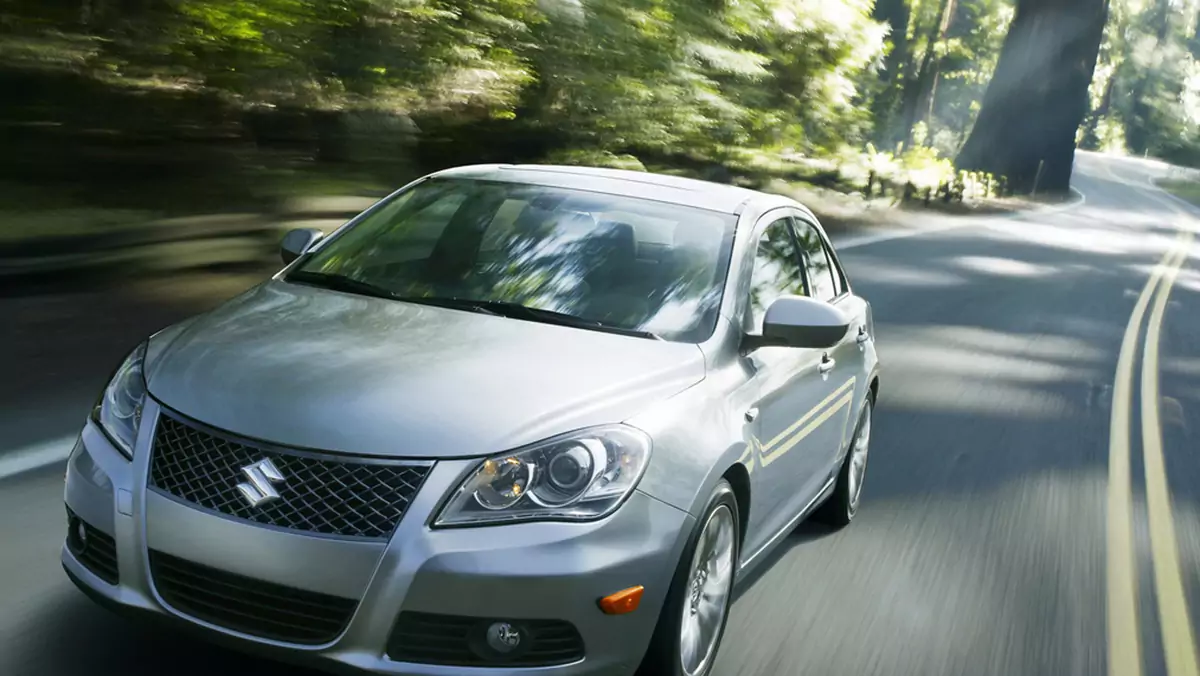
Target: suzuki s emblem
261	475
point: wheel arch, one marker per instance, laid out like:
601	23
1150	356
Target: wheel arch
739	479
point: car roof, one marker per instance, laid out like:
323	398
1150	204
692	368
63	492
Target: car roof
660	187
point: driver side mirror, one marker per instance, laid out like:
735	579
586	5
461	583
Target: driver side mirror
797	321
297	242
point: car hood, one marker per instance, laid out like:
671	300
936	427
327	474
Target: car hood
320	369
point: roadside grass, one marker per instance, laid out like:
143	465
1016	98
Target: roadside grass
1183	189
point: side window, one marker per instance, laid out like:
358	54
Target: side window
777	272
821	273
839	280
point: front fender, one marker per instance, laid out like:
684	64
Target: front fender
698	435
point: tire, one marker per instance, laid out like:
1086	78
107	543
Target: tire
839	510
665	656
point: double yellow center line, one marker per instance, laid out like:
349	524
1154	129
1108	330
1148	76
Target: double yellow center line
1124	645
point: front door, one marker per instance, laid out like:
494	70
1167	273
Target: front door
844	363
794	395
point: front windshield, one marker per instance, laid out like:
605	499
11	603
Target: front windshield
626	263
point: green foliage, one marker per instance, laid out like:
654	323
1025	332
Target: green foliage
793	88
920	166
1146	93
595	158
1188	190
612	76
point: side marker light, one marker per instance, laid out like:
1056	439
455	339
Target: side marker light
622	602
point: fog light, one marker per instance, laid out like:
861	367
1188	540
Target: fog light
77	535
503	637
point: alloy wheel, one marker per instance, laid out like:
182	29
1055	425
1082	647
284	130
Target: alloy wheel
709	585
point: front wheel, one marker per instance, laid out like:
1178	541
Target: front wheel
840	508
693	618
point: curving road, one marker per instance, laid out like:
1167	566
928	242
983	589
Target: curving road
1005	530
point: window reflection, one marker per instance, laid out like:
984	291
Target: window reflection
777	272
629	263
816	259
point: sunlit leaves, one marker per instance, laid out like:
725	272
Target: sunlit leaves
723	59
615	76
1149	60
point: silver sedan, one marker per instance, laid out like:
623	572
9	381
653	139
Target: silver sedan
509	420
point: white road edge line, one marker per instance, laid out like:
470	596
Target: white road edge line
903	233
36	456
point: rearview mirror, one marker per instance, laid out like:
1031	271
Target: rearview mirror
797	321
297	242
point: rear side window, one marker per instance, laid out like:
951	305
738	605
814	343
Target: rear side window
822	276
777	272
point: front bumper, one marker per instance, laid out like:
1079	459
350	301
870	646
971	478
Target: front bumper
520	573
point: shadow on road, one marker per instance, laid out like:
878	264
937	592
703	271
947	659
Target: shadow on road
806	533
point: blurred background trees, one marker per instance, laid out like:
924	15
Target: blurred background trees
150	105
1145	97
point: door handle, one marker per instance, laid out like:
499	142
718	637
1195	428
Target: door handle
751	414
863	336
826	365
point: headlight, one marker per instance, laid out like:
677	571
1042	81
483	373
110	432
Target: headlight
119	411
577	477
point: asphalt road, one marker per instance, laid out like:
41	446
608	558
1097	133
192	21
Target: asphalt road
1001	520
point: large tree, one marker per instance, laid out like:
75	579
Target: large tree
1038	95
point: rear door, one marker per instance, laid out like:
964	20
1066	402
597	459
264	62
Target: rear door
845	364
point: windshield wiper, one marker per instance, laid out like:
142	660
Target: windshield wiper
518	311
500	308
339	282
452	303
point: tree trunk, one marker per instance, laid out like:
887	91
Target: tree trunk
1091	134
1038	95
1196	34
932	100
919	89
896	14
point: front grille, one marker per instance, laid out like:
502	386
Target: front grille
97	551
249	606
453	640
352	497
